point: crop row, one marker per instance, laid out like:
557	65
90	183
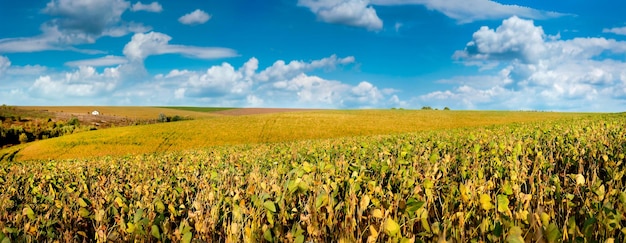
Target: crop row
552	181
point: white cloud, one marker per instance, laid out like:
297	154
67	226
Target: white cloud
218	80
279	85
313	91
84	82
537	72
51	39
91	17
75	22
279	70
361	13
99	62
26	70
154	7
4	64
466	11
175	73
289	85
356	13
196	17
615	30
126	28
515	39
153	43
519	39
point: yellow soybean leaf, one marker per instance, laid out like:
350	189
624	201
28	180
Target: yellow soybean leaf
507	188
485	202
187	237
160	207
465	194
130	227
515	235
82	203
119	202
321	200
390	227
29	213
83	212
299	239
373	231
600	192
377	213
99	215
365	201
522	215
155	232
580	180
503	203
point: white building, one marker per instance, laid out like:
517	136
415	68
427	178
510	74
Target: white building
95	113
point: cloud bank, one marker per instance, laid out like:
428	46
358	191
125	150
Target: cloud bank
531	70
362	13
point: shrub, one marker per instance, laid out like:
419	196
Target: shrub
162	118
73	121
23	138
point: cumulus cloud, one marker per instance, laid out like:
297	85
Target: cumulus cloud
615	30
99	62
154	43
315	91
536	71
356	13
218	81
514	39
196	17
519	39
466	11
154	7
281	70
282	85
84	82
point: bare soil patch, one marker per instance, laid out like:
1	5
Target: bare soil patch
99	121
257	111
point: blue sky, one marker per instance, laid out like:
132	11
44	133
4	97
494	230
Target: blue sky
464	54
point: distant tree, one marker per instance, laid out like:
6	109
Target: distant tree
426	108
446	108
176	118
73	121
162	118
23	138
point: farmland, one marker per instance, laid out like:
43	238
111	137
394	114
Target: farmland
130	112
340	176
263	128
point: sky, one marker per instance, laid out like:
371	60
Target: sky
463	54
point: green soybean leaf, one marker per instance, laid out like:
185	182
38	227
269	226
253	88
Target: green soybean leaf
269	205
